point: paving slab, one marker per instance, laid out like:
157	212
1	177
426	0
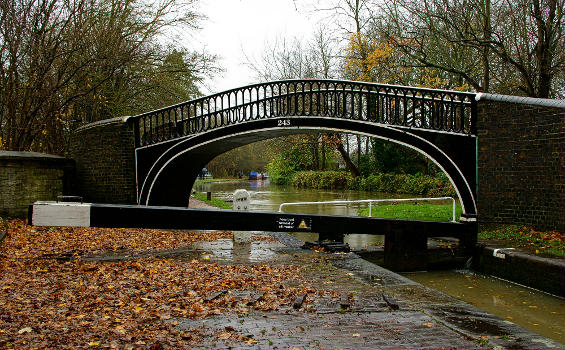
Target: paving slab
378	309
355	331
370	307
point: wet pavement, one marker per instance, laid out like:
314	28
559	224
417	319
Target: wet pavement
374	308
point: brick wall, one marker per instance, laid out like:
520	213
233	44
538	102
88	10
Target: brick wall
521	165
26	177
105	162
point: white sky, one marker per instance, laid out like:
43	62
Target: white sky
238	28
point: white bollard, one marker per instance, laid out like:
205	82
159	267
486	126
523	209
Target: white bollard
241	201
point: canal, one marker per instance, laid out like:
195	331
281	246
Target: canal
531	309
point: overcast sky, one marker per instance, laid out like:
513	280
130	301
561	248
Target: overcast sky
238	28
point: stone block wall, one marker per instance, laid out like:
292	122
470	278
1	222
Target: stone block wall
26	177
521	162
105	161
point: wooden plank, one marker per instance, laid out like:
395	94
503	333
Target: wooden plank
107	215
133	216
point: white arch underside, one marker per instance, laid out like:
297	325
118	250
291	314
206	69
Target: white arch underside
316	129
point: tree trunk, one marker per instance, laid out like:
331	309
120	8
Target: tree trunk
486	38
323	165
358	151
545	33
349	164
315	154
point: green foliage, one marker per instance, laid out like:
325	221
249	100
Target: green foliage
281	171
388	157
414	211
392	183
252	157
296	153
323	179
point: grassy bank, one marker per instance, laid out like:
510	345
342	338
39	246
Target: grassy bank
421	185
217	180
538	242
545	243
215	202
420	211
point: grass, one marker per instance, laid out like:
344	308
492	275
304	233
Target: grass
420	211
215	202
547	243
539	242
217	180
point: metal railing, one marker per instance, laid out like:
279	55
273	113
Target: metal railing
411	107
371	201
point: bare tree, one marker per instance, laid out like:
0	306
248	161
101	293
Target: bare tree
515	44
67	62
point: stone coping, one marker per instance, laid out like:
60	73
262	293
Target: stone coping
116	120
544	102
32	156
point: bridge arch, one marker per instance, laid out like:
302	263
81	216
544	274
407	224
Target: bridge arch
172	144
177	164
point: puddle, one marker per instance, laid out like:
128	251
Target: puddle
224	250
263	250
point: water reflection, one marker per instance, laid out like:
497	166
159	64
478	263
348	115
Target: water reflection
268	197
531	309
224	250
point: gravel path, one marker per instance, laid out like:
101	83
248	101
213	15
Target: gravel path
198	204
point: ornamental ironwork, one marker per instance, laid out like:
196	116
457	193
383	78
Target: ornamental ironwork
398	106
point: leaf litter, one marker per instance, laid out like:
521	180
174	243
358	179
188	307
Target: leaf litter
74	303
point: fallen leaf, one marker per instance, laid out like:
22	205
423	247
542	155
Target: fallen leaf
137	309
25	330
224	335
356	335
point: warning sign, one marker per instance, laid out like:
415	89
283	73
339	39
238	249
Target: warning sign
285	223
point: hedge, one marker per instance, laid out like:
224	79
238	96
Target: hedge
392	183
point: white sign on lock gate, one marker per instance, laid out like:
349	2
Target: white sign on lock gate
241	200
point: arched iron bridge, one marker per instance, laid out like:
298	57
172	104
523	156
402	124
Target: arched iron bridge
400	106
174	143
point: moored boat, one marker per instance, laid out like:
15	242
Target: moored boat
255	175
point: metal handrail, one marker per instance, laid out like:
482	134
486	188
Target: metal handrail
420	108
370	201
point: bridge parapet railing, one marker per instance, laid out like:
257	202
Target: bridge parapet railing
411	107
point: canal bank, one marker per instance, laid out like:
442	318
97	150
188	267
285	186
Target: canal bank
541	273
545	274
507	302
369	307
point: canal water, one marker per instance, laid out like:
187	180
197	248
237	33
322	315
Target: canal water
531	309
